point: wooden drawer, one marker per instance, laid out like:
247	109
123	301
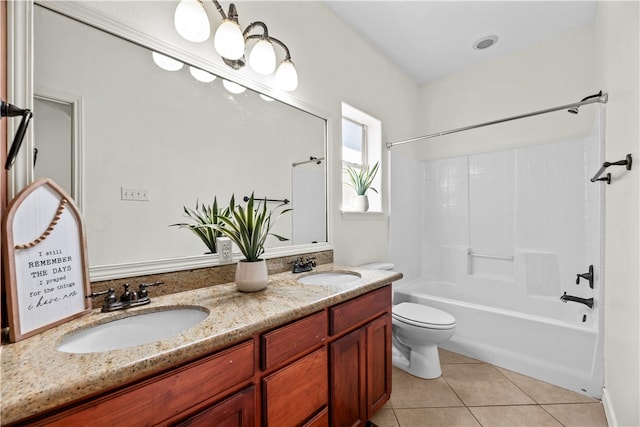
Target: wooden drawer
294	393
235	411
167	395
295	339
352	313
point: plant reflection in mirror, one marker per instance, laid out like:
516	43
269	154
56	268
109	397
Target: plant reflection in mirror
203	216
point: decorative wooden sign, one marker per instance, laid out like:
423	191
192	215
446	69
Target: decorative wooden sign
45	261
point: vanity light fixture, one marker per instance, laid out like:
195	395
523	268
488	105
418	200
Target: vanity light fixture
191	21
286	76
263	57
230	41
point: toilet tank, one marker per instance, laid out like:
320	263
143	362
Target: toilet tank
379	266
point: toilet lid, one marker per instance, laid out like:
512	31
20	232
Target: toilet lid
422	315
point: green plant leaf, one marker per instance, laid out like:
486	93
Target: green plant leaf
249	227
201	217
361	179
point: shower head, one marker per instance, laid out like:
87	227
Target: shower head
574	109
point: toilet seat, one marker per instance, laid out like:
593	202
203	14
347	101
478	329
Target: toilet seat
423	316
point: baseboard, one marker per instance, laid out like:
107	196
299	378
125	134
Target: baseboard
608	409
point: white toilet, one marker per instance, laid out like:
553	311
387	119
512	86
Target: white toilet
417	331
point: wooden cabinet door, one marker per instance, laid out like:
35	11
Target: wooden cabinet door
378	363
348	380
293	394
238	410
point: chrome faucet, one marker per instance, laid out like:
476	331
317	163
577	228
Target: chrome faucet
127	299
300	266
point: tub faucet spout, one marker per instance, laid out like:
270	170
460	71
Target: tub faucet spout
586	301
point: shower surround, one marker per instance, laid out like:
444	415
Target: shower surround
502	236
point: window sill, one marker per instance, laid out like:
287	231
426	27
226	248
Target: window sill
368	214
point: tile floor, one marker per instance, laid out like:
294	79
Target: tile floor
473	393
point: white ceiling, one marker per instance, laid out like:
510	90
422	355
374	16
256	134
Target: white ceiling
431	39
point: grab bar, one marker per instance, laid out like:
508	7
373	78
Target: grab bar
312	159
283	201
502	257
626	162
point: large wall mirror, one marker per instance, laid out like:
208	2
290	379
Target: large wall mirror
137	131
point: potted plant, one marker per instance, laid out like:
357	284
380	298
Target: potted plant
249	228
202	216
361	180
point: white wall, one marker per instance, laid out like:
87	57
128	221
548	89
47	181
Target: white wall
555	72
618	34
334	65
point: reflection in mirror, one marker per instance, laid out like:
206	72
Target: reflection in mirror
52	156
172	138
58	153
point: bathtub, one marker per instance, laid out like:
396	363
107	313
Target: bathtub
555	351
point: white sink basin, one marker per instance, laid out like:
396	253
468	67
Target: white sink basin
133	330
329	278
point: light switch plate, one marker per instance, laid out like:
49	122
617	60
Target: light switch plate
135	194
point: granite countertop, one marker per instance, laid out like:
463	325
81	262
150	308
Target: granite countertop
36	377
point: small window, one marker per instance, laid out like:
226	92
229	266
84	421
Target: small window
361	147
353	143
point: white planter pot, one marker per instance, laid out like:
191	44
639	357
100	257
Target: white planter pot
360	203
251	276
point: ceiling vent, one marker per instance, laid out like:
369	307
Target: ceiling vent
485	42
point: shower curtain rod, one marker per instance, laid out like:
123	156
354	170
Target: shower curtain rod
572	108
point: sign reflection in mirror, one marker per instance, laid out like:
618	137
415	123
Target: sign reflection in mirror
176	139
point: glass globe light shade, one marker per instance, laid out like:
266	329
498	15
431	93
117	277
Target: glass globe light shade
263	58
165	62
201	75
191	21
287	76
233	87
228	41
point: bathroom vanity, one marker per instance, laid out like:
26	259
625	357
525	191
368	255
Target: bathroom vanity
294	354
